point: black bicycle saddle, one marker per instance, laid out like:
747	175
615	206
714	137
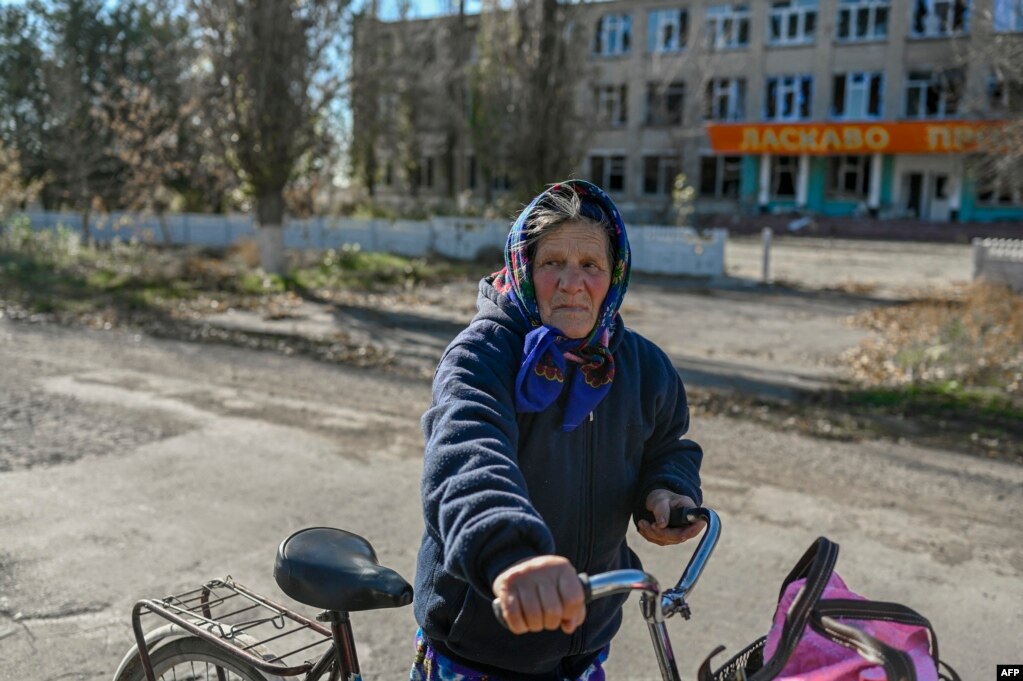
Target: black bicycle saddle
336	570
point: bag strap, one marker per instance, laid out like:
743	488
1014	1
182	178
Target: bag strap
897	665
816	566
891	612
878	610
952	674
813	564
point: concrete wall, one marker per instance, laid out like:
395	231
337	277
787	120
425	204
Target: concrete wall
660	250
1000	261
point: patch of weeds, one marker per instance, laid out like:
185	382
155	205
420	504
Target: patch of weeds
48	276
970	340
259	282
979	421
943	370
350	268
105	279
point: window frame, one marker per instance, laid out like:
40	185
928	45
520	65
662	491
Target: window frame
999	186
618	35
665	180
722	164
868	77
736	17
930	9
787	13
923	88
612	104
839	168
1004	96
802	102
662	94
852	8
501	181
792	163
656	24
734	90
1000	23
607	162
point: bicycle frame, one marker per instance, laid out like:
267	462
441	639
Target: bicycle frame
192	614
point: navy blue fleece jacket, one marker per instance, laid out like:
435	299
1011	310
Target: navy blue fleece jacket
499	487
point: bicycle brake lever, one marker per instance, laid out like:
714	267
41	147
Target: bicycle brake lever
673	602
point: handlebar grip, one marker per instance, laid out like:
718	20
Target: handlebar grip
584	580
679	517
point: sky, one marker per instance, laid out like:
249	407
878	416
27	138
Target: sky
424	8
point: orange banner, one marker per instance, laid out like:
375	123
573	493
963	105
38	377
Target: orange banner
916	137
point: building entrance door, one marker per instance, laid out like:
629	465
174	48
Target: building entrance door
939	210
913	190
928	186
927	196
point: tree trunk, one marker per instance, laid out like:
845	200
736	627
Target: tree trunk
270	230
161	218
86	232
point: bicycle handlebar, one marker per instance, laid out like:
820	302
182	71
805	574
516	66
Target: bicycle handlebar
622	581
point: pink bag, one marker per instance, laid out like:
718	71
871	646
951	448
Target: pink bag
822	631
818	658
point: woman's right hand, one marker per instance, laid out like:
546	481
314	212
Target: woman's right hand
542	593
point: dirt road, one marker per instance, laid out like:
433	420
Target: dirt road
134	468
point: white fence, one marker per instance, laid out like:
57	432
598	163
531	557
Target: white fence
999	260
658	250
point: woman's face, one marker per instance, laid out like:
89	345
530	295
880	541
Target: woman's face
571	275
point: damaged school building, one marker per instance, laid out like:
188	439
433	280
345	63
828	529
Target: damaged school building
826	107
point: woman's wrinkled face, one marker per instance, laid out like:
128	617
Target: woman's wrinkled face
571	275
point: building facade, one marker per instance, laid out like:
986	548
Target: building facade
830	107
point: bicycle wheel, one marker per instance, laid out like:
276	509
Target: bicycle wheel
193	659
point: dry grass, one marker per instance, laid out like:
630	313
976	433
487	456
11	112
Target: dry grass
971	340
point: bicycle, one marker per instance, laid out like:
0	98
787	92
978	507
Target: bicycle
221	630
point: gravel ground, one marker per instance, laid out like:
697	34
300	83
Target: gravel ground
132	467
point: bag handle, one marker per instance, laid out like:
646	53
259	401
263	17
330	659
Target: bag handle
816	566
892	612
878	610
897	665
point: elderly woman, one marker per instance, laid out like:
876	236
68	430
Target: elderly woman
552	425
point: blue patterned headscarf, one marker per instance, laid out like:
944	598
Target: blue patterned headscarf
541	376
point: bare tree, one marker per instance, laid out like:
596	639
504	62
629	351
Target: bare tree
456	132
431	86
996	55
14	192
525	120
24	100
80	150
147	107
273	73
369	75
147	138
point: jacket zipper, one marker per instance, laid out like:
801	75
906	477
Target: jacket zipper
589	490
586	551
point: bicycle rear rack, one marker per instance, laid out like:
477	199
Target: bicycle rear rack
238	620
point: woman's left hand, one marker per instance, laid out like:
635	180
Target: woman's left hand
660	502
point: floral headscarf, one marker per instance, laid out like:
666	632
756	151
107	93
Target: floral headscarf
541	376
